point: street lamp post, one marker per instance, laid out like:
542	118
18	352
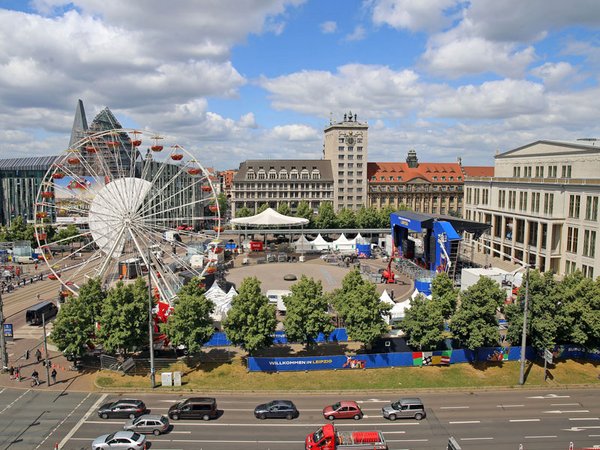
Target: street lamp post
150	327
524	335
3	352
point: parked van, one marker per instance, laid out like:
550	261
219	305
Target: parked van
171	236
24	260
204	408
276	297
33	316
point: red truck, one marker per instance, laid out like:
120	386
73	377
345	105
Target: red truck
328	438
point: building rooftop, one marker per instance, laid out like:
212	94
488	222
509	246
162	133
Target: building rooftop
478	171
33	163
430	172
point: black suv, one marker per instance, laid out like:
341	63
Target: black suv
125	408
276	409
204	408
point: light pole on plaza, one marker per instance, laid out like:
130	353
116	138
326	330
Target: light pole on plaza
524	333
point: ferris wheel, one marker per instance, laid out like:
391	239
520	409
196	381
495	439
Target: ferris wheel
128	203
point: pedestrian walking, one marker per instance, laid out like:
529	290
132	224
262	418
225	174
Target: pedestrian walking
38	355
18	373
38	296
27	354
11	372
53	375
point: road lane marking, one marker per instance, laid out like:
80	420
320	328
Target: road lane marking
477	439
579	428
454	407
180	432
394	432
262	424
3	389
82	420
409	440
465	421
510	406
541	437
584	418
15	401
550	396
564	404
524	420
557	411
64	420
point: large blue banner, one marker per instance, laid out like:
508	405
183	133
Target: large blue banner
380	360
219	339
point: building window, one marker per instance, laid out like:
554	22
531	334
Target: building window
250	175
512	199
350	156
523	201
566	171
574	203
341	141
359	149
316	175
588	271
589	243
283	174
501	198
548	203
340	148
340	174
340	165
591	208
569	267
552	171
469	196
340	156
535	202
294	174
572	235
272	174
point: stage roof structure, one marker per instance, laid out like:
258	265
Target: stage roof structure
269	217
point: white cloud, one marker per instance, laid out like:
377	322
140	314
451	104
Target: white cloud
475	55
554	74
375	91
358	34
328	27
248	121
492	99
421	15
294	132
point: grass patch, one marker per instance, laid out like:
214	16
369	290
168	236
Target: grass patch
234	377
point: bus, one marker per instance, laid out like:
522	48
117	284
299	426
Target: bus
33	316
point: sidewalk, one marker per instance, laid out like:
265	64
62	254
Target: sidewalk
66	379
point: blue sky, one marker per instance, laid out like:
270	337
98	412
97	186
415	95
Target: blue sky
234	80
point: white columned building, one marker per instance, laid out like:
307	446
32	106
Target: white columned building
542	205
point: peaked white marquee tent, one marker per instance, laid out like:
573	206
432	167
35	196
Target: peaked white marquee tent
269	217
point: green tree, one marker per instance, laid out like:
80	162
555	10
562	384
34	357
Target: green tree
223	204
304	210
17	230
251	321
367	217
67	235
284	209
326	217
544	312
346	218
190	323
306	314
124	318
444	293
243	212
74	327
359	305
475	323
579	299
423	323
263	207
194	288
383	216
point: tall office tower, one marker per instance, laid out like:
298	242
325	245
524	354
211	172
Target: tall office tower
346	147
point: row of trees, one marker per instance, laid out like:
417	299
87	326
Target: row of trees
366	217
19	230
566	311
117	318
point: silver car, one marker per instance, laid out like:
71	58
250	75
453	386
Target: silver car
148	423
120	439
405	408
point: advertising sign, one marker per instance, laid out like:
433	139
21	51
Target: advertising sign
73	196
8	331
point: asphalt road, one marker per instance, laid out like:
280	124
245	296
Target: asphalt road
33	419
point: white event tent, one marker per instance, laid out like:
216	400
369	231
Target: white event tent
320	243
385	298
269	217
343	243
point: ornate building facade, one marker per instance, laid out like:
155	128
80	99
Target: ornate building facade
542	205
274	182
432	188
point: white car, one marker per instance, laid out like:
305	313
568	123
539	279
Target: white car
120	439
